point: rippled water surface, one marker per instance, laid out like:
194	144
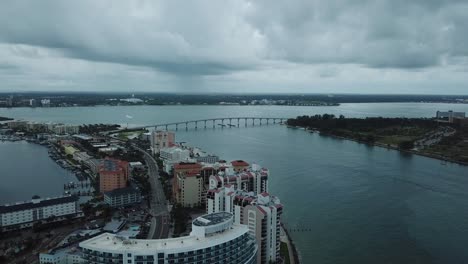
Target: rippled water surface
344	202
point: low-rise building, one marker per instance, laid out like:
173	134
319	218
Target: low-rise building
35	126
66	129
17	124
136	165
81	156
67	255
207	158
108	150
122	197
450	115
93	165
214	239
25	214
70	150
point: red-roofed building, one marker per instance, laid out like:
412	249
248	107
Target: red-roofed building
239	165
187	186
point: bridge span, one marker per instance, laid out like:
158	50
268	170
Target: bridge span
216	122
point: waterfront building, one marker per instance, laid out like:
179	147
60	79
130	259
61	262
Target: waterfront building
261	213
450	115
161	139
201	156
35	126
192	180
32	102
17	124
250	179
207	158
173	155
93	165
66	129
70	150
122	197
45	102
239	165
113	174
25	214
214	239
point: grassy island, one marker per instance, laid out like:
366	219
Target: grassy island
417	135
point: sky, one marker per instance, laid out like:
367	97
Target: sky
235	46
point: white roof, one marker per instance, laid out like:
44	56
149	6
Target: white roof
113	243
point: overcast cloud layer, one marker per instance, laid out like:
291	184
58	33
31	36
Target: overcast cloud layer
356	46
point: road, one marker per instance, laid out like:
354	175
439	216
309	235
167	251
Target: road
160	221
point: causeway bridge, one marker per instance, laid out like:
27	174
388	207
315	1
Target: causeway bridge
216	122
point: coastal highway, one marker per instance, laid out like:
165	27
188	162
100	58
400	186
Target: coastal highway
160	221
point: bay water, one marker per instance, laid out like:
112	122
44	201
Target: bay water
345	202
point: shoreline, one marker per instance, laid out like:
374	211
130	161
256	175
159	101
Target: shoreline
377	144
294	256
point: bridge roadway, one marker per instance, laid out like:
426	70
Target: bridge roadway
223	121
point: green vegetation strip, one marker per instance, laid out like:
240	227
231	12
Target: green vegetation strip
284	252
396	133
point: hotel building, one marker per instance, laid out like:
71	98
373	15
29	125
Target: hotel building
113	174
25	214
161	139
187	184
214	239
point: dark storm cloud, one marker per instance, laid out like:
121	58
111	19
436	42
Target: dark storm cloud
213	43
394	34
397	34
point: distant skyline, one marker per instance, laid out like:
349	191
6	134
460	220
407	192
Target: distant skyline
309	46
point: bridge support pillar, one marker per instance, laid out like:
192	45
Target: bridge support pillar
238	122
166	127
186	125
230	122
196	124
205	123
176	127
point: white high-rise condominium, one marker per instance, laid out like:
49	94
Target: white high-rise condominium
261	213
